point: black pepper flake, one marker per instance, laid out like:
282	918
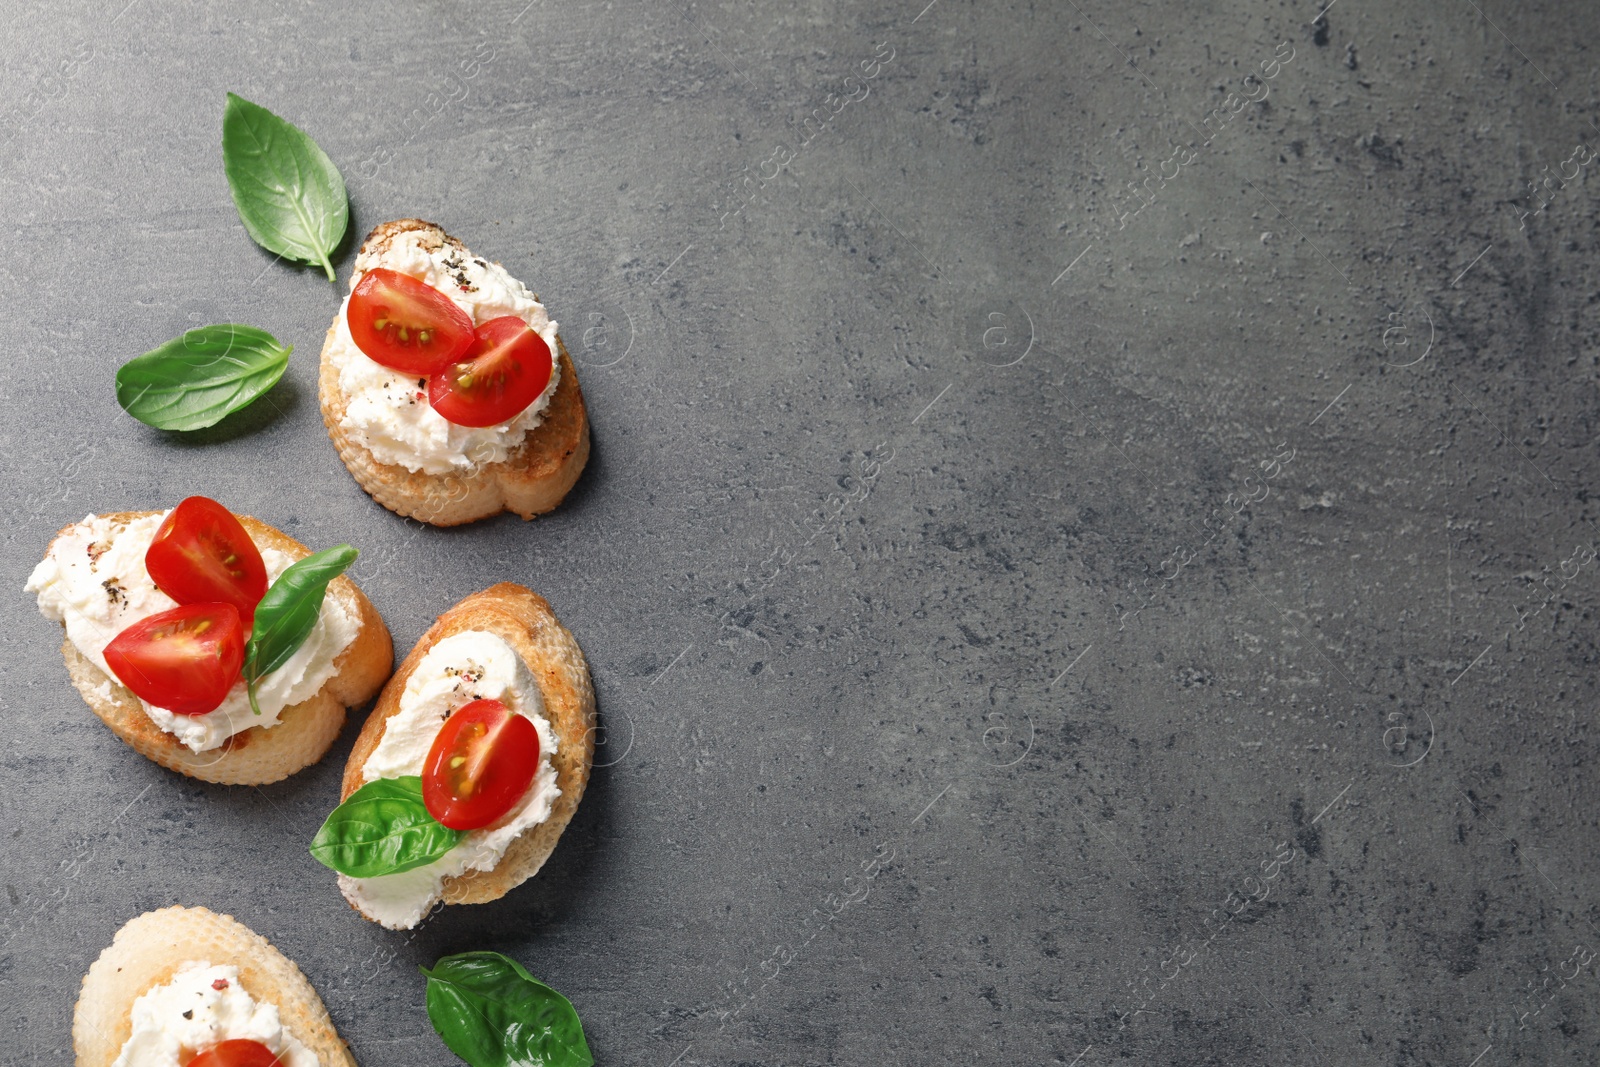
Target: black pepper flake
189	1014
458	273
114	591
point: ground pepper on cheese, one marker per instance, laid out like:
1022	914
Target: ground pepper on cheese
94	582
468	666
203	1006
387	412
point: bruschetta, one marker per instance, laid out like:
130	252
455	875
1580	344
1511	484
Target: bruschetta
186	987
445	386
470	766
163	660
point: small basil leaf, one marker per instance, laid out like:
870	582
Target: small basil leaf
192	381
290	196
384	828
492	1013
288	613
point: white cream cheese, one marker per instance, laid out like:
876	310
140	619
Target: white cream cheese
461	668
93	581
174	1022
387	412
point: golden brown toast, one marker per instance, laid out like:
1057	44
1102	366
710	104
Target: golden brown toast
532	480
524	621
260	754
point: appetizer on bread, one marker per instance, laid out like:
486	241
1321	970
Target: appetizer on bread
470	765
185	987
211	643
444	384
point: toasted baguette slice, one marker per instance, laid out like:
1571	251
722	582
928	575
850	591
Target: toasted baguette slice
524	621
148	951
530	481
260	754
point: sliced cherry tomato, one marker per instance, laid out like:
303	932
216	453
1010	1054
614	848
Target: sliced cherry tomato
240	1052
405	324
481	763
503	372
184	659
202	555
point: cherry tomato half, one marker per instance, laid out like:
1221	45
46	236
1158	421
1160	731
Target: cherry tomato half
184	659
240	1052
405	324
201	555
503	372
481	763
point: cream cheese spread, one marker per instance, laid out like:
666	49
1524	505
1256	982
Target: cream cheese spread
200	1007
387	412
461	668
94	582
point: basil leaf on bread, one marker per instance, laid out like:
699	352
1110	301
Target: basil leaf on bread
288	612
384	828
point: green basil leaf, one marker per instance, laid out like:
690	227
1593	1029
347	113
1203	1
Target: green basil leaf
384	828
192	381
492	1013
290	196
288	613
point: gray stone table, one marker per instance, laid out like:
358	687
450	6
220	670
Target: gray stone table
1089	553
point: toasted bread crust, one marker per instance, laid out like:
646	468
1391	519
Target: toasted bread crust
524	620
260	754
148	951
532	480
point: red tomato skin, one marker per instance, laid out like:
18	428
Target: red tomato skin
504	371
184	659
202	554
498	753
240	1052
408	306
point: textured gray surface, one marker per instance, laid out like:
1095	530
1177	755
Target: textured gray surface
908	532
